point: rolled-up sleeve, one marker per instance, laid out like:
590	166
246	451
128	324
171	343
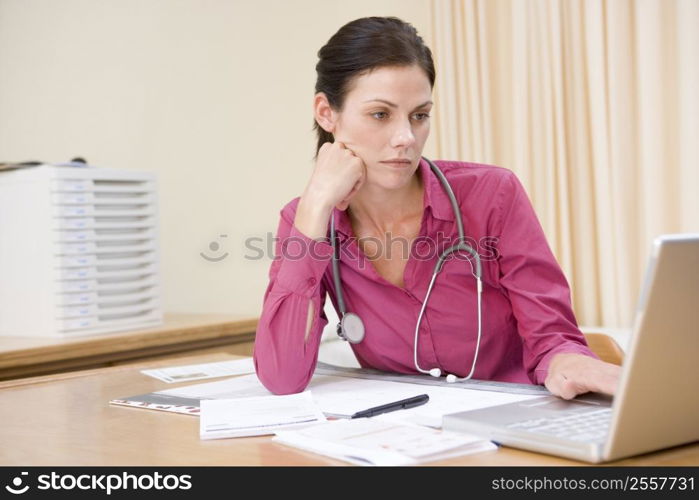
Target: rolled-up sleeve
537	288
284	358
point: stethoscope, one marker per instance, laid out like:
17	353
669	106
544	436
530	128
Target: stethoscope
351	326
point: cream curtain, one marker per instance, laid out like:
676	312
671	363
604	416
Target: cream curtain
594	104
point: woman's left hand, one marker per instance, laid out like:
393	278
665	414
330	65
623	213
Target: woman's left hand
573	374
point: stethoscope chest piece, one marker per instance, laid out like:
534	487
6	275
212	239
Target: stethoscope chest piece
351	328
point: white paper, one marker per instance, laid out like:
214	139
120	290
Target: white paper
365	441
445	400
238	387
186	373
344	396
256	416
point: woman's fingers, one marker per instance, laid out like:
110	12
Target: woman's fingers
356	170
338	175
605	379
562	386
574	374
358	185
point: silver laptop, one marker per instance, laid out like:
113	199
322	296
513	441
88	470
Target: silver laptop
656	405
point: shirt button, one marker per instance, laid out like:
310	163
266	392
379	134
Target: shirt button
312	281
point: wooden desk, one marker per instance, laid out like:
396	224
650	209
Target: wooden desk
180	333
66	420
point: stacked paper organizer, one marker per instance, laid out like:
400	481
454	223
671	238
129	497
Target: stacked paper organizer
78	251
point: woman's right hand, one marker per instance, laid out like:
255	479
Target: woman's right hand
337	177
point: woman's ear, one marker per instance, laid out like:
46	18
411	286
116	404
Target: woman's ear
324	113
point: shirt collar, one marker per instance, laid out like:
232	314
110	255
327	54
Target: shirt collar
435	198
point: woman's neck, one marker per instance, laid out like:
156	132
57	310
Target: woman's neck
383	210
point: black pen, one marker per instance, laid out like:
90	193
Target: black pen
398	405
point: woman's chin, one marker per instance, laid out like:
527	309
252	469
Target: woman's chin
395	178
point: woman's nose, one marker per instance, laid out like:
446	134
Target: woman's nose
403	136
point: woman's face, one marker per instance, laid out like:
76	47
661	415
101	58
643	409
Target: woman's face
385	117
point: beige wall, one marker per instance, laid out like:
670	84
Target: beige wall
213	95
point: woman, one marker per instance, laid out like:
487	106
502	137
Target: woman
392	217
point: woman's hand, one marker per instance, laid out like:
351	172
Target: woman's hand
337	177
573	374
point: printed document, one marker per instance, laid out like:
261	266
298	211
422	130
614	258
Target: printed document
226	418
367	441
197	372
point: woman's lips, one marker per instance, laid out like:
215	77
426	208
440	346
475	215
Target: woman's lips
397	163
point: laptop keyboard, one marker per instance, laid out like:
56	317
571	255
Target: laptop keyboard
584	426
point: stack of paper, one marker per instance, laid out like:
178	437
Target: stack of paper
367	441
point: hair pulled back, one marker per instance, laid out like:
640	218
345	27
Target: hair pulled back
361	46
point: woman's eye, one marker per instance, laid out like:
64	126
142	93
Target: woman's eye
382	115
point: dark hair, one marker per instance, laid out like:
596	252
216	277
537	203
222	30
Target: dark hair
361	46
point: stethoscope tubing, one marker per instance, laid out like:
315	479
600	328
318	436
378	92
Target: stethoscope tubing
461	245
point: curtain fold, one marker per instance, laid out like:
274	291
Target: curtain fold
594	105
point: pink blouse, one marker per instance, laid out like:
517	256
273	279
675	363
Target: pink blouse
527	314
